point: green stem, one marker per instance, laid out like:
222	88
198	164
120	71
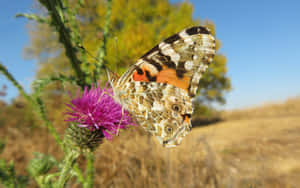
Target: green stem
40	180
56	12
50	127
102	49
90	170
68	164
38	104
49	177
14	82
34	17
45	181
78	173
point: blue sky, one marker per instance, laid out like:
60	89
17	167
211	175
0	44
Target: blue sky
261	42
13	38
260	39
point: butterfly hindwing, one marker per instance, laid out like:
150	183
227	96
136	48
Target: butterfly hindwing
162	109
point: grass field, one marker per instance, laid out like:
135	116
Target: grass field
255	147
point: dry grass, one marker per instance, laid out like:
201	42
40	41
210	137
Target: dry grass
290	107
258	147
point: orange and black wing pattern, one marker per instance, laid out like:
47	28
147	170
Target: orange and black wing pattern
179	60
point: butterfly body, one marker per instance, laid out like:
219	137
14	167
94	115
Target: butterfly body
158	89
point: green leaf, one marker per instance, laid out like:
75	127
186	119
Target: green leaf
41	164
34	17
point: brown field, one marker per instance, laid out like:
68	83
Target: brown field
257	147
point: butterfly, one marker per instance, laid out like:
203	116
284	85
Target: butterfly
159	88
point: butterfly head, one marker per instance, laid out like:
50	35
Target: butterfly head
112	77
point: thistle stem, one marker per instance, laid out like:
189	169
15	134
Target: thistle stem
77	171
102	49
38	104
14	82
68	164
90	170
58	18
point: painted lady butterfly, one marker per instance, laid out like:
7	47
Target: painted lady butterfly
158	89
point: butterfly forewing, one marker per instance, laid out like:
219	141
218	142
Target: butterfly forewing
179	60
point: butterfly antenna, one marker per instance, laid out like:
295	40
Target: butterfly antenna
90	54
108	71
116	52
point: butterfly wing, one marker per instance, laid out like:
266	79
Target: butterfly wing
179	60
162	109
158	89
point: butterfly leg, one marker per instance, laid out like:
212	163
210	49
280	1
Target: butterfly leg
118	130
120	121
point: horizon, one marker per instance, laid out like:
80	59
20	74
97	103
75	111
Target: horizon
258	38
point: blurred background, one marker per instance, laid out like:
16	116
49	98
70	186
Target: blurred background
246	119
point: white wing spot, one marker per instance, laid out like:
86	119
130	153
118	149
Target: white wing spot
162	45
189	41
188	65
150	67
157	106
152	54
196	78
140	61
167	49
184	35
203	67
175	57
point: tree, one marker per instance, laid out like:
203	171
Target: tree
135	27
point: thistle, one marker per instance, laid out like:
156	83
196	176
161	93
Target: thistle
95	115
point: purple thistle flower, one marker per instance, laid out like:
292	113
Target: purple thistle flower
96	109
